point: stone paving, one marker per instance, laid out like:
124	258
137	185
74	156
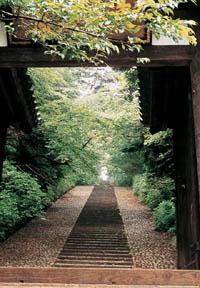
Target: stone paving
40	241
150	249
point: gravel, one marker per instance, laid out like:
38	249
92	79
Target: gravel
40	241
150	249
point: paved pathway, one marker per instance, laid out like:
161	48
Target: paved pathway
98	238
39	243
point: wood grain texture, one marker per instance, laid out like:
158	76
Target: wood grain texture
99	276
16	285
195	78
159	55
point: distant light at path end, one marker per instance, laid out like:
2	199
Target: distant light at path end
104	176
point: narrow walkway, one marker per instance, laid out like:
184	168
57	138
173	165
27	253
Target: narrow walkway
98	238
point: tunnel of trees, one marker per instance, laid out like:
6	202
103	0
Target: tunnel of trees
81	131
91	118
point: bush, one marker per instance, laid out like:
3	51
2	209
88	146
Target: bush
123	179
142	183
9	213
161	189
153	190
30	197
164	216
153	198
157	194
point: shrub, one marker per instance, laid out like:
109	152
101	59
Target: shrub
153	198
28	194
9	214
164	216
160	189
153	190
141	185
137	181
65	184
123	179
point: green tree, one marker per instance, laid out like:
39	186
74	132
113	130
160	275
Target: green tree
74	28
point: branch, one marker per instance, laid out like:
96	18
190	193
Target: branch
35	171
51	23
86	143
13	17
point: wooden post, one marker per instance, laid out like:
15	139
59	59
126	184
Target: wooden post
195	80
3	133
195	83
187	193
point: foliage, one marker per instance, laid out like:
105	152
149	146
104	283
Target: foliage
70	128
90	119
157	194
120	178
125	148
140	185
164	216
9	213
54	157
156	186
159	153
138	157
72	28
153	190
21	198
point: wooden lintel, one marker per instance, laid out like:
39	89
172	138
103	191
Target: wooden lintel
159	55
100	276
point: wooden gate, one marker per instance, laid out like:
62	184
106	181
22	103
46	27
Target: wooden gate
170	103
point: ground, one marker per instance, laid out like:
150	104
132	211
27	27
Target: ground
40	241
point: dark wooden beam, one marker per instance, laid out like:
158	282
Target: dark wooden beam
159	55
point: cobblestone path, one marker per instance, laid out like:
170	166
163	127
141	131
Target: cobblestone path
150	249
40	241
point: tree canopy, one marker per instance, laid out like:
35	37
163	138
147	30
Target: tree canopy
85	30
90	120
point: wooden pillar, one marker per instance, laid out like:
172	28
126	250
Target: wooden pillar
187	193
3	133
195	80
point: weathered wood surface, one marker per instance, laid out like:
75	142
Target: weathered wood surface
159	55
15	285
195	77
100	276
187	208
